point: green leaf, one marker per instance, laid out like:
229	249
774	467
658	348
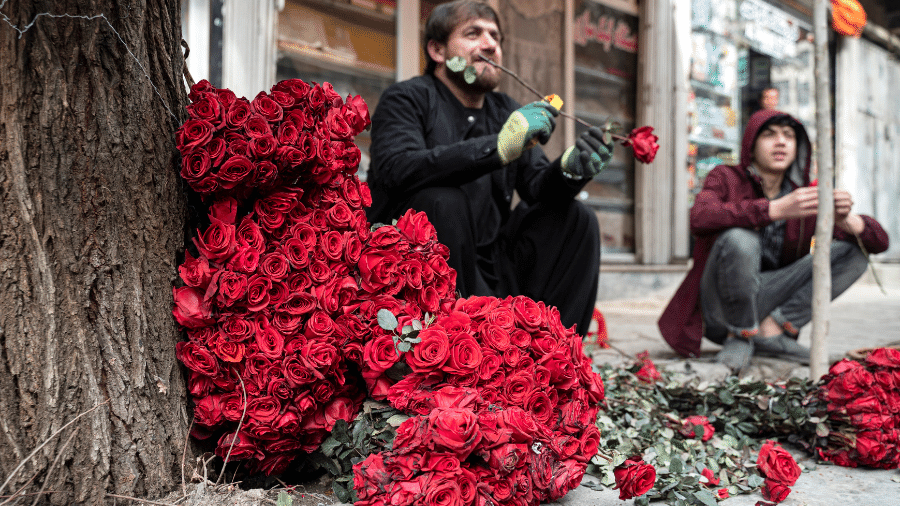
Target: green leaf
284	499
329	446
470	74
726	397
341	431
676	465
340	492
387	320
755	480
456	64
706	497
417	325
822	430
406	329
404	346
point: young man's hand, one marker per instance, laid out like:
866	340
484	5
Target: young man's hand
531	121
800	203
587	157
843	215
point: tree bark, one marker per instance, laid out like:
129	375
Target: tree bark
92	219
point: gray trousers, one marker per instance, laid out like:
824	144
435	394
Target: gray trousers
735	295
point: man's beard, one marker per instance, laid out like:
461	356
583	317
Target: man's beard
484	82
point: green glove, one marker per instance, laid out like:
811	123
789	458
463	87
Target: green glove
587	157
534	120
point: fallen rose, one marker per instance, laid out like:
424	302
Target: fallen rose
690	426
775	463
775	491
634	478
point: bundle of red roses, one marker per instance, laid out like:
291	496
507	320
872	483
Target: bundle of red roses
274	348
864	411
231	146
530	395
779	469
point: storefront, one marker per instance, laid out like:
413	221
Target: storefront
739	49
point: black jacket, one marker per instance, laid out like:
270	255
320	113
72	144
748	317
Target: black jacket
422	137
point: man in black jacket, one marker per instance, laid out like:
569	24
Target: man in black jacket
457	150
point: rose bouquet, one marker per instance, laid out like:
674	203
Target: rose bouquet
273	348
863	410
497	386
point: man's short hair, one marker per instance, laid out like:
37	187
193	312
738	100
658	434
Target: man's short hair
446	17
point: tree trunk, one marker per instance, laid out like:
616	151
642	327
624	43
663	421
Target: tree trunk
91	226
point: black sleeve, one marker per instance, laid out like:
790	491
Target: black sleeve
402	162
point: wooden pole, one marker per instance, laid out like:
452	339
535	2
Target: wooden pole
821	299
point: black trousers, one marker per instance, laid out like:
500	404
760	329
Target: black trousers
548	252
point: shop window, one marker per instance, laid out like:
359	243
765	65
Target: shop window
605	89
350	43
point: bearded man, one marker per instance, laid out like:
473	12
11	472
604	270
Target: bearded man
457	151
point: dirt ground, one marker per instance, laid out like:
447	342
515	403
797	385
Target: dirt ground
316	493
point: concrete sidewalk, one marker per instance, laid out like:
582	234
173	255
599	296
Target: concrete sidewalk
863	317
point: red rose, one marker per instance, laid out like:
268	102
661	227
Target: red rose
465	355
775	491
195	165
643	142
722	493
258	292
242	446
266	107
518	388
237	170
521	424
431	353
249	233
269	342
455	430
884	357
207	108
195	271
232	287
416	227
237	328
332	98
494	336
197	358
567	475
338	126
245	259
590	443
634	478
230	351
257	126
198	89
208	411
191	310
356	113
193	134
380	354
711	480
377	269
341	408
275	266
263	147
411	435
775	463
226	96
238	113
697	426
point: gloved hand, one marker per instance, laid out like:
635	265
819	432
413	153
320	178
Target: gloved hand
534	120
587	157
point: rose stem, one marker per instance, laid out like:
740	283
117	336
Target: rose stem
536	92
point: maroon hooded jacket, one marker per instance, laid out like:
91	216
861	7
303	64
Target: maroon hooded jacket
732	196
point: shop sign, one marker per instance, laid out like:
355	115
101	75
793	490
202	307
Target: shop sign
770	30
610	30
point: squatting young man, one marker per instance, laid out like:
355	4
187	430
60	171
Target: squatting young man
750	287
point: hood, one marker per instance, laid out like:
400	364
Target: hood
799	171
